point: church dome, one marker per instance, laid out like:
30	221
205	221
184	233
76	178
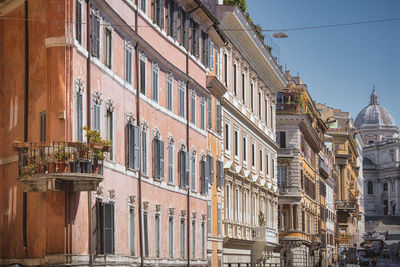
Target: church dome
374	115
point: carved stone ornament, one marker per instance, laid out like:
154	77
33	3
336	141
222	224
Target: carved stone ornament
194	215
111	193
99	191
202	100
96	12
145	206
170	140
183	213
132	200
142	56
97	97
170	76
192	92
156	133
110	104
108	26
130	117
79	86
193	151
171	211
157	208
181	84
155	66
144	125
203	217
182	145
128	44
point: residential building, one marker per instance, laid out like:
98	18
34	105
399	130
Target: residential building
136	72
252	78
302	174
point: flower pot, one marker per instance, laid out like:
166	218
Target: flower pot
42	168
75	166
51	167
86	167
61	167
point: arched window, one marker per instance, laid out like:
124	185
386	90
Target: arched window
370	187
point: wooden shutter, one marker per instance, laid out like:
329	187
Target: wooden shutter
132	232
218	117
130	148
78	21
187	162
99	227
95	36
43	126
161	157
204	177
182	168
79	118
211	169
207	50
161	13
220	173
108	220
187	30
136	147
142	76
174	21
156	158
146	234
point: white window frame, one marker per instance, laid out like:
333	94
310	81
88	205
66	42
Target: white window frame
171	236
129	48
170	80
82	23
227	139
193	170
193	234
236	143
145	132
132	250
110	29
157	243
171	146
143	9
112	153
235	78
211	55
261	160
202	114
182	88
193	107
155	88
142	58
245	152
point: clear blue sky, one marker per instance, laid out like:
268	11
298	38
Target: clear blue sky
339	64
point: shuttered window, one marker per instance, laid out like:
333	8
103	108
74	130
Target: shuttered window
170	164
266	111
281	175
183	31
218	121
209	218
79	117
78	21
253	156
108	48
193	172
172	19
146	234
128	64
193	239
133	142
244	148
105	227
110	132
169	93
244	88
182	237
144	152
235	79
202	115
204	48
96	116
143	5
205	172
193	108
181	91
142	76
252	96
184	168
158	159
220	173
95	36
219	221
158	13
211	169
203	240
155	82
211	57
43	123
195	39
157	237
209	112
132	230
217	67
226	70
171	237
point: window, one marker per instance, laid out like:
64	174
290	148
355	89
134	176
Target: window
209	218
209	112
172	19
193	107
244	148
266	111
205	172
170	163
193	239
184	168
78	21
220	173
158	13
105	227
182	237
157	237
95	36
158	159
193	173
143	5
226	69
144	151
155	70
128	64
244	87
237	204
171	236
132	231
96	116
281	175
203	240
252	96
218	117
108	48
227	133
261	160
195	39
235	79
202	115
385	186
146	233
255	213
185	25
217	68
267	163
370	187
181	91
246	207
281	139
142	75
205	48
133	142
253	154
43	123
211	59
110	133
228	201
169	92
79	117
219	220
236	143
259	105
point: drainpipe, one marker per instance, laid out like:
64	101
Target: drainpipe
88	118
26	106
140	143
187	147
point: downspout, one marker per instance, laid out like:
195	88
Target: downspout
187	147
26	106
140	143
88	118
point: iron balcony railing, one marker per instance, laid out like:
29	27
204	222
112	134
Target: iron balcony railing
346	205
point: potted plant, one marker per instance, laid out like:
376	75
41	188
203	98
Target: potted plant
75	164
62	155
29	169
42	165
97	146
51	166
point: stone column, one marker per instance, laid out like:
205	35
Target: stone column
296	212
281	216
389	185
291	217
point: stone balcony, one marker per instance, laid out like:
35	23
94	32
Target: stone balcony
289	191
346	205
52	166
265	234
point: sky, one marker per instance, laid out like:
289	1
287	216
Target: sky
339	64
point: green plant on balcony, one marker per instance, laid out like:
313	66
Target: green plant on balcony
261	219
62	156
29	169
96	145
